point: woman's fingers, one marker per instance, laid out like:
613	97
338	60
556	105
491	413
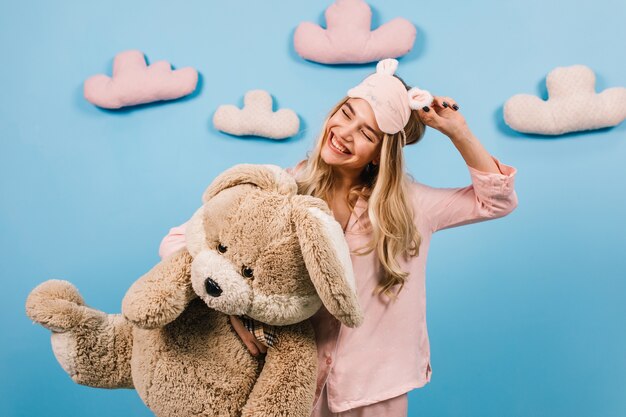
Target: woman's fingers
445	103
260	346
441	102
254	346
443	115
429	116
244	335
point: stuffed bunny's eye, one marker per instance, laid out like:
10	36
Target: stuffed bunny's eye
247	272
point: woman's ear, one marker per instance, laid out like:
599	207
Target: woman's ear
376	159
327	258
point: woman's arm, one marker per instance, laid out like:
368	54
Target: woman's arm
492	192
490	195
444	116
473	152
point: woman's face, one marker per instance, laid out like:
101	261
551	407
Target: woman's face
353	137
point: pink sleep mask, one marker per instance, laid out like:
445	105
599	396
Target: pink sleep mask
389	98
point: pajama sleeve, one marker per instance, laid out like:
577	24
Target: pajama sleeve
174	241
490	196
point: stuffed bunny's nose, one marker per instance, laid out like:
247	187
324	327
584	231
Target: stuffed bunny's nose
212	288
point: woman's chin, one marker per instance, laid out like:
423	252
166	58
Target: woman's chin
331	158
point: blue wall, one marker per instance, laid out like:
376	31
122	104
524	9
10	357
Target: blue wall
526	313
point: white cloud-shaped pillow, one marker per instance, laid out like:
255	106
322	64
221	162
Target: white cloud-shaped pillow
573	105
133	82
256	118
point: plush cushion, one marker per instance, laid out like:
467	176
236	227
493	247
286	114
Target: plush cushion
348	37
256	118
572	105
133	82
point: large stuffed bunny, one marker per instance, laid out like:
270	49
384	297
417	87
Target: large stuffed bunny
254	248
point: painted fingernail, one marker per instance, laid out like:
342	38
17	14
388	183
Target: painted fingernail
445	104
455	107
426	109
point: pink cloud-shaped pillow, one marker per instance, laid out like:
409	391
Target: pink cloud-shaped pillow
349	39
133	82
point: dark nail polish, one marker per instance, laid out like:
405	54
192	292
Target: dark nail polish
445	104
426	108
455	107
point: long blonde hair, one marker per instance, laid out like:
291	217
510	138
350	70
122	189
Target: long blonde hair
385	187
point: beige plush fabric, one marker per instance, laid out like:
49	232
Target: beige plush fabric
254	248
256	118
93	347
572	105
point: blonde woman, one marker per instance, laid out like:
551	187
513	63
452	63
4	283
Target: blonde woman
357	167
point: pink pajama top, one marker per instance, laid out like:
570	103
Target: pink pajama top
385	357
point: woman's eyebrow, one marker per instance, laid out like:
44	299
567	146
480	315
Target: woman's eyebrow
366	125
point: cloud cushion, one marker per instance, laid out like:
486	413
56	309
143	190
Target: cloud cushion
348	38
256	118
572	105
133	82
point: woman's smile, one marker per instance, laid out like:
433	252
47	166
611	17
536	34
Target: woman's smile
336	146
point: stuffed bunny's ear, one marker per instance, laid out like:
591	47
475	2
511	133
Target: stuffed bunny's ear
266	177
327	258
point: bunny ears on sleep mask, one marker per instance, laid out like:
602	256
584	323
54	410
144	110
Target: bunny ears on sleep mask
389	98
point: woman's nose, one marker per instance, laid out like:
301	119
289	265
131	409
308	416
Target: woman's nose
347	133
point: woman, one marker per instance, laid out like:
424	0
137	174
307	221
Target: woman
357	167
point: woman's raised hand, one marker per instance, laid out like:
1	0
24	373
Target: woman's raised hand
444	116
